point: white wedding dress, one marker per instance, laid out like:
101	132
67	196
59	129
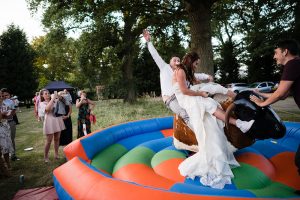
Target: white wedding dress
214	159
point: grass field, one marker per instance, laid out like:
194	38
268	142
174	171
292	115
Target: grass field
108	112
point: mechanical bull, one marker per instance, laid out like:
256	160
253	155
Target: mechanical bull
267	123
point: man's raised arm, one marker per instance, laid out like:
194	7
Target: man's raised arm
156	57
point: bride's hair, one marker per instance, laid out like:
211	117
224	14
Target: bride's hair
187	63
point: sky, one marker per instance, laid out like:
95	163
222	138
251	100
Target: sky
16	11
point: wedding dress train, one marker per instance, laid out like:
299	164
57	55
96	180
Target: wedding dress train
214	159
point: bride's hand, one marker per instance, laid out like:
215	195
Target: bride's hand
203	94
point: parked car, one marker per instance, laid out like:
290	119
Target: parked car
262	86
276	84
237	87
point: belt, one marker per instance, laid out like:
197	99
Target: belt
167	102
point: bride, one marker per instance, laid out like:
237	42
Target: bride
214	159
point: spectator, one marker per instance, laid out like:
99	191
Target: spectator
6	146
67	96
52	125
84	106
286	54
35	100
66	135
12	124
16	102
40	109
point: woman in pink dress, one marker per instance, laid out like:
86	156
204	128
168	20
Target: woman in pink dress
52	125
36	100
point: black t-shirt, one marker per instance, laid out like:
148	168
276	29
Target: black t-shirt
291	72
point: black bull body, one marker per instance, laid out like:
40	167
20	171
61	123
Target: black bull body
267	123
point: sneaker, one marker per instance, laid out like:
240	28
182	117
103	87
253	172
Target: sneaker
14	158
244	126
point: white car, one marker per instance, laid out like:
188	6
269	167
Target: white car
262	86
237	87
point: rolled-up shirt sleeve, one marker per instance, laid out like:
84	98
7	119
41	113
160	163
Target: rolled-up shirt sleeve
201	76
156	57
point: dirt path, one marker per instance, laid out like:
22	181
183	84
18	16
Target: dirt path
287	110
287	105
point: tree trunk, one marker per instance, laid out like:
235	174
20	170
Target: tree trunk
127	71
296	32
199	14
128	77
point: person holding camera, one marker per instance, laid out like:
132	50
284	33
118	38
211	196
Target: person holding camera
53	124
65	110
85	107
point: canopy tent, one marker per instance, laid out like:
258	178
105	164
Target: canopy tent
61	85
58	86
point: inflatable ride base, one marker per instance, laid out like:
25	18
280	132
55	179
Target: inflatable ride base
137	160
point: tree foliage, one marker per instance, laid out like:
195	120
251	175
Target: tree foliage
296	24
126	19
227	64
225	29
109	53
258	25
199	18
55	57
16	63
269	23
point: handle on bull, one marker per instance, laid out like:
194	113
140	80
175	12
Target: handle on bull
228	114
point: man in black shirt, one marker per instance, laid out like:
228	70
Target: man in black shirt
286	53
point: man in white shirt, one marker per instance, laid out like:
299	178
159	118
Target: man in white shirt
166	73
68	96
